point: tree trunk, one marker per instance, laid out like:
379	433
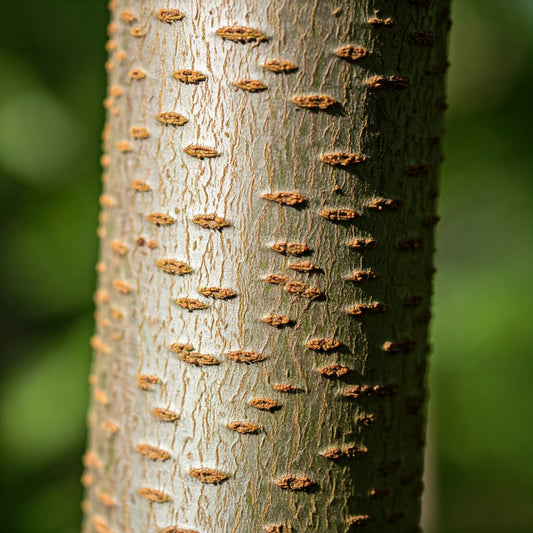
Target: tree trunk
266	263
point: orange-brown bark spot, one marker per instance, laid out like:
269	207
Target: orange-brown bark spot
109	426
323	344
119	247
137	32
334	370
411	244
370	391
108	103
208	475
124	147
362	275
342	159
346	452
367	309
424	38
154	495
366	421
339	215
139	132
413	300
153	453
122	286
405	345
101	296
93	379
278	321
172	118
117	313
291	248
385	82
100	525
107	201
303	290
242	356
265	404
173	266
418	170
200	359
189	76
286	388
383	204
106	499
351	52
244	427
294	483
160	219
210	221
128	17
137	74
190	303
285	198
359	520
278	528
170	15
180	347
177	529
378	493
145	381
91	460
361	244
99	345
314	101
217	293
200	152
376	22
105	161
304	266
252	86
115	91
101	397
280	65
111	28
276	279
120	56
87	479
165	415
140	186
241	34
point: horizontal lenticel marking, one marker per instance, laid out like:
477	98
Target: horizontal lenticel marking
191	304
339	215
145	381
323	344
352	52
210	221
265	404
160	219
346	452
334	370
280	66
217	293
370	391
201	152
244	427
241	34
294	483
172	118
165	415
366	309
315	101
208	475
153	495
342	159
189	76
247	357
285	198
386	82
291	248
252	86
278	321
170	15
173	266
152	452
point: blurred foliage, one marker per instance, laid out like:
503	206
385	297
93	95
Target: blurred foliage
51	88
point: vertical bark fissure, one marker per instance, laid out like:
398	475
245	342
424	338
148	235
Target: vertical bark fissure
265	275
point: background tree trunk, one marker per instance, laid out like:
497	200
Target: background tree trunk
266	264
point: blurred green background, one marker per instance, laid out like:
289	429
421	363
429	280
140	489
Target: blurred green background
52	83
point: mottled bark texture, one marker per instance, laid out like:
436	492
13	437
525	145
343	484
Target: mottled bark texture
266	263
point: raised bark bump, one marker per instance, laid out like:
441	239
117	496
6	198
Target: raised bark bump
244	427
251	86
265	404
172	118
153	452
292	199
154	495
352	52
342	159
173	266
323	344
170	15
339	214
145	381
280	66
189	76
165	415
278	321
191	304
345	452
160	219
315	101
367	309
210	221
244	356
210	476
295	483
334	370
241	34
217	293
200	152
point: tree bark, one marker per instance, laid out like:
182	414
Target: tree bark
266	264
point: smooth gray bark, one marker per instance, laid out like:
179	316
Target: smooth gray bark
265	272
